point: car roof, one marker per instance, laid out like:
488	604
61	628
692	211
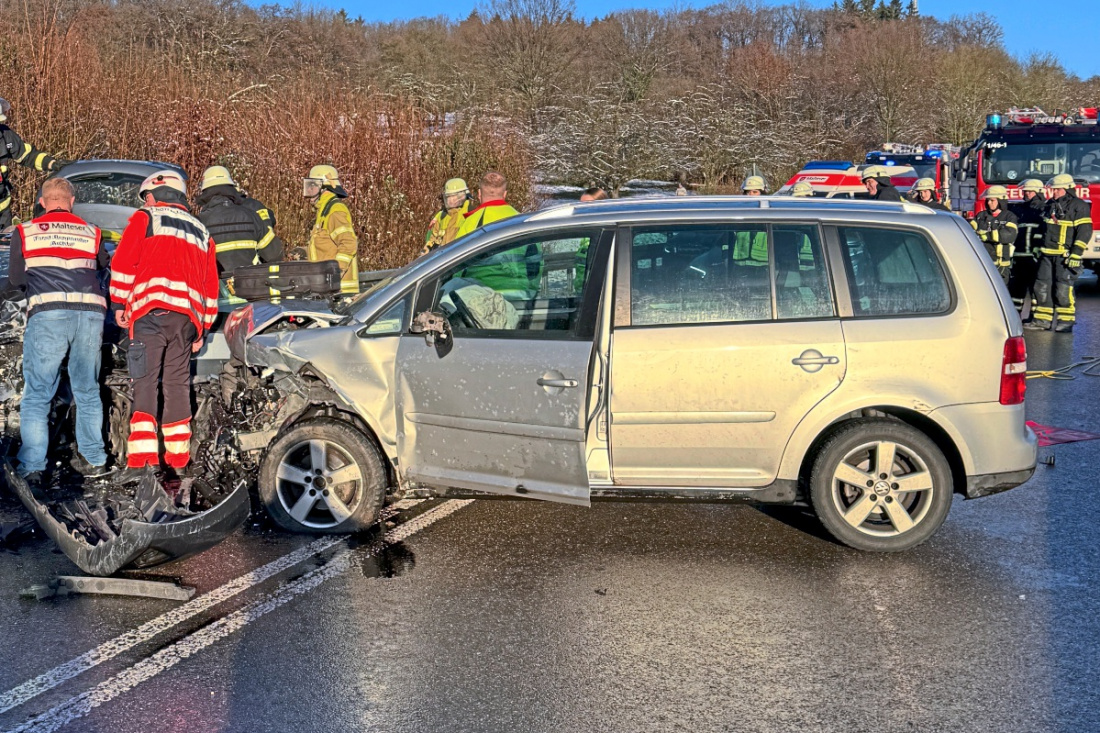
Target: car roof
142	168
680	207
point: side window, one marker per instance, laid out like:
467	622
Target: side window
892	272
533	284
801	278
727	273
391	321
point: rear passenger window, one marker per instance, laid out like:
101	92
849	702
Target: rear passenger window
893	272
732	273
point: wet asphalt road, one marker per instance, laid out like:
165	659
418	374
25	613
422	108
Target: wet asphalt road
523	616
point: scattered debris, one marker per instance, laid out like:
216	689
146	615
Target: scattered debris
66	585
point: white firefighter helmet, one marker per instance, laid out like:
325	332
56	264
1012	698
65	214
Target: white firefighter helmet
802	189
216	175
995	192
754	183
168	178
924	184
1032	184
1063	181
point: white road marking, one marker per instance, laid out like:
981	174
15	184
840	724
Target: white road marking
80	705
46	681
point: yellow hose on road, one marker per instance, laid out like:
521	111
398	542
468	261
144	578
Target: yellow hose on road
1091	366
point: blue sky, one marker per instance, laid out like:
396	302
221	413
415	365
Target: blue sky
1028	25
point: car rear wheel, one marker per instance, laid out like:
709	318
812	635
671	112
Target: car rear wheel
880	485
323	477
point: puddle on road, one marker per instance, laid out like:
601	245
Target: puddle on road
382	559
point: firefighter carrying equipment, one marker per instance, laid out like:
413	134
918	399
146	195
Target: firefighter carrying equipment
57	258
241	238
802	189
754	183
998	230
13	148
333	237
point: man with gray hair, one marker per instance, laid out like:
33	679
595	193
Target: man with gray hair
56	260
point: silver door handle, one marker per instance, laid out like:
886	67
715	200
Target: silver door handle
544	382
815	360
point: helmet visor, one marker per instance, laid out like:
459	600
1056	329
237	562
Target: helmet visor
311	186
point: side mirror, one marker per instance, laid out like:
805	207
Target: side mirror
436	329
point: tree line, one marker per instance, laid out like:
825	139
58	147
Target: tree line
703	95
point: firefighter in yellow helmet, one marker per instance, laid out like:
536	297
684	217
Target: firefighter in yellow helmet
1066	236
924	193
997	228
447	221
333	237
754	186
802	189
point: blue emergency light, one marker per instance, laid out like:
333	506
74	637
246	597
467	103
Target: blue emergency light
826	164
993	120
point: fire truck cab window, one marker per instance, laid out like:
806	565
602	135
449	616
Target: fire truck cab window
1013	162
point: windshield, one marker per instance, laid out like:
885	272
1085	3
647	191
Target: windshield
1010	162
117	189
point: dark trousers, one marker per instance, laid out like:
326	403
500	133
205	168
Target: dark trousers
1022	283
1054	290
160	351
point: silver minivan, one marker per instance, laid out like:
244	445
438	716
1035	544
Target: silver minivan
858	357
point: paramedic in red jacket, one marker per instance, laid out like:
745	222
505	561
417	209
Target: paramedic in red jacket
164	289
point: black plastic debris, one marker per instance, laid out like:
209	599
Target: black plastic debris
132	526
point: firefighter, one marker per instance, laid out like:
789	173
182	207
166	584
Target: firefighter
1068	230
750	248
333	237
446	222
1025	263
241	237
164	290
754	186
876	179
996	227
924	192
56	259
14	150
802	189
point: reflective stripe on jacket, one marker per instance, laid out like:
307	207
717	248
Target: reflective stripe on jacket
333	238
998	232
57	257
166	259
1068	226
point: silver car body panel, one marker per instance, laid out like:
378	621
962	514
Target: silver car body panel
440	406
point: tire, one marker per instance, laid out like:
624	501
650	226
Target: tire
882	517
289	472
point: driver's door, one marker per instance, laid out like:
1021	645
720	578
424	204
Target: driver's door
499	404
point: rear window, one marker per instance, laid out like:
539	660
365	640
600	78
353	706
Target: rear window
893	272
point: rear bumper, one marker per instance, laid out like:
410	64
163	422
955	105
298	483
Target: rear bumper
994	483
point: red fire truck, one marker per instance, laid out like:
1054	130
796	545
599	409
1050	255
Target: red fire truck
1029	143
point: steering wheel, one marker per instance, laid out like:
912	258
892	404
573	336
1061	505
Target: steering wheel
463	311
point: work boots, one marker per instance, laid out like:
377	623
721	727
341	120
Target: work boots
1063	326
1037	325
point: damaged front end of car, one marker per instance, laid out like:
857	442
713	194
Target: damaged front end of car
104	526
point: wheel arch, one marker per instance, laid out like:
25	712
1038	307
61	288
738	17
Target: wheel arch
918	420
323	401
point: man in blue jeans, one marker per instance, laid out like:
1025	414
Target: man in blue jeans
55	259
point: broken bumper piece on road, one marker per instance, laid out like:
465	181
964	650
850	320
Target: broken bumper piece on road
99	547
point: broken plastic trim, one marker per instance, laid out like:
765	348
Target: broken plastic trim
141	544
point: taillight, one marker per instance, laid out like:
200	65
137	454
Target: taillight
1014	371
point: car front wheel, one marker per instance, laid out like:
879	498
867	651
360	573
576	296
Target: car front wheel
323	476
880	485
